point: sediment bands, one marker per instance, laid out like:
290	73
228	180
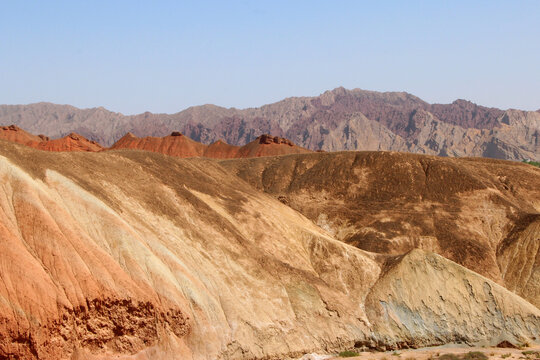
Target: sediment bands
140	255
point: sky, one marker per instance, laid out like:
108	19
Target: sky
164	56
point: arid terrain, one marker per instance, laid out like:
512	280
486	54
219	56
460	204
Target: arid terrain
138	255
336	120
269	180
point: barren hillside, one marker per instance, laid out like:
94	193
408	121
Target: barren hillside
480	213
141	255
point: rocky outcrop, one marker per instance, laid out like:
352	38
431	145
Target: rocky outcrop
269	139
71	142
336	120
268	145
186	261
18	135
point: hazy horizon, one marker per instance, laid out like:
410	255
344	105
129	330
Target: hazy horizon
163	57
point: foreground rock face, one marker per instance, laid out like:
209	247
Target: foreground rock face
482	214
154	257
336	120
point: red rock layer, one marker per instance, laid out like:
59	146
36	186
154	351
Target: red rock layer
221	150
71	142
175	144
179	145
16	134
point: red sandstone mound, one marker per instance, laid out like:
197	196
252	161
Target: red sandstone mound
179	145
18	135
71	142
221	150
175	144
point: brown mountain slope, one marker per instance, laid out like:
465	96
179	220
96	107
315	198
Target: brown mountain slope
140	255
336	120
464	209
179	145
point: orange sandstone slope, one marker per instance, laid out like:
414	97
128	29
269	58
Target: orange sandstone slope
179	145
16	134
221	150
71	142
175	144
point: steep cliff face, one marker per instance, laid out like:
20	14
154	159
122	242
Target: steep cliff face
340	119
140	255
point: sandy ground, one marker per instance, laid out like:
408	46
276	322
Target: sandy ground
434	352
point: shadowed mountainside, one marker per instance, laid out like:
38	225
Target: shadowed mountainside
336	120
141	255
480	213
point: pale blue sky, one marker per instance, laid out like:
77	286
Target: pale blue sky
163	56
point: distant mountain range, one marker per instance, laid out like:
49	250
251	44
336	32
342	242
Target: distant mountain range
340	119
